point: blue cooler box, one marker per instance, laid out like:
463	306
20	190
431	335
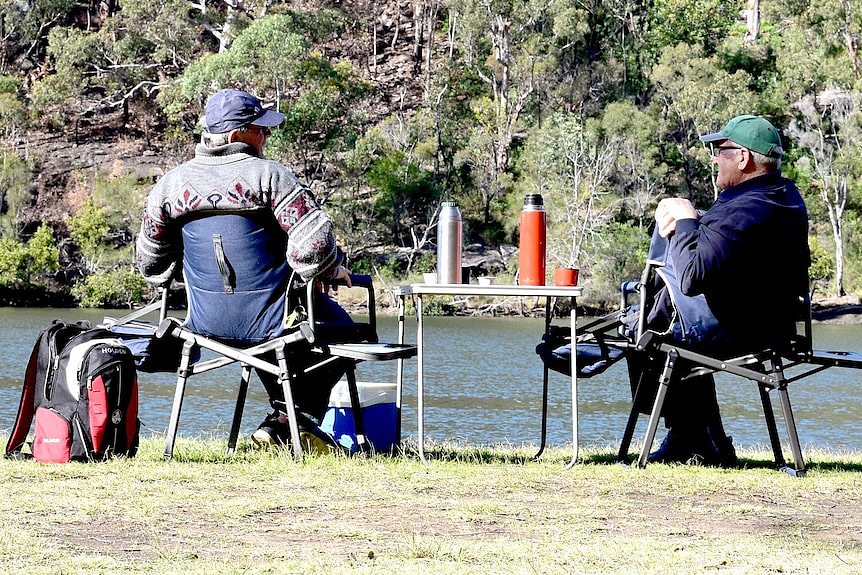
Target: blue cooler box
378	415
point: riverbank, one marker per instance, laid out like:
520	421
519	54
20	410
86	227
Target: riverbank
846	310
469	511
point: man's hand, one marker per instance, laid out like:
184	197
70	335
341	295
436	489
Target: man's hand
343	274
671	210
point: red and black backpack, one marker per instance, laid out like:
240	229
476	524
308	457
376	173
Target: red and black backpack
81	387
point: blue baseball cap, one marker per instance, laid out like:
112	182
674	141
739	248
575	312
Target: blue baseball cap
228	110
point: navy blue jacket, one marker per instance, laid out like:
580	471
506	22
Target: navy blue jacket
748	255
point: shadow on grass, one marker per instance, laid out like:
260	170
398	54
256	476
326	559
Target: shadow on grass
463	453
744	463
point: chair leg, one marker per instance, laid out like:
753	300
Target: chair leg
356	406
772	429
182	378
631	424
798	469
238	409
289	405
664	382
544	435
792	434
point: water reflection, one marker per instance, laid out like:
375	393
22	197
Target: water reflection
483	385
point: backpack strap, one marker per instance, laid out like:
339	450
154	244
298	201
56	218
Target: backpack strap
27	406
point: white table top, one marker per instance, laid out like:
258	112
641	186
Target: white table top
489	290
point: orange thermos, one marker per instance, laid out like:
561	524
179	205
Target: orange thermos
531	258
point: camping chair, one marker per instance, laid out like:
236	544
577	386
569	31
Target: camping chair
226	254
768	368
606	340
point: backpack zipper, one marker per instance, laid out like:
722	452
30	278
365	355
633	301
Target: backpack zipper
88	449
48	391
119	399
105	367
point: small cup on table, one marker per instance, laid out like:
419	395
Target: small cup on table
566	277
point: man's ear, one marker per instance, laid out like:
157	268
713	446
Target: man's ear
747	162
233	136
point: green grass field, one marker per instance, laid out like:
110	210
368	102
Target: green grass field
469	511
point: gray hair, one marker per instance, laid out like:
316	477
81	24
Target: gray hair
771	163
215	140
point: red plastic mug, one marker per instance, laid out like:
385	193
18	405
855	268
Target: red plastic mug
566	277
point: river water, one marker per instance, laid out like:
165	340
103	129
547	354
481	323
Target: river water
483	386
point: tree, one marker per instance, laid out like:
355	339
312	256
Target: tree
570	165
640	174
15	181
88	228
695	95
502	42
271	57
43	253
21	262
829	129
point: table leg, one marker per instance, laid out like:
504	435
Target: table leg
399	378
420	379
574	389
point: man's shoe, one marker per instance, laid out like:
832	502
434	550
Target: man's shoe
315	441
673	449
719	452
272	432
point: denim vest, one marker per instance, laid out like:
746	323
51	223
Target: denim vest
236	276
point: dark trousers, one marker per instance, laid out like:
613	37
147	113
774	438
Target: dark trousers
689	404
310	390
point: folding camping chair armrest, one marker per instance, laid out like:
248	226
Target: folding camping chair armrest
358	281
167	327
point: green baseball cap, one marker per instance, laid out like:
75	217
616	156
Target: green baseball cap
752	132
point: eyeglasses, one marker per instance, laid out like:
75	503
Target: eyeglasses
716	150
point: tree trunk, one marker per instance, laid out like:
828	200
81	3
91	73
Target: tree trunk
504	121
752	21
835	207
418	34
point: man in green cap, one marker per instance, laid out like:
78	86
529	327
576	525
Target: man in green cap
747	255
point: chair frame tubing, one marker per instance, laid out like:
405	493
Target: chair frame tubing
248	358
774	379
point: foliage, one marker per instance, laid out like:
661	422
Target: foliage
621	251
692	22
20	262
115	288
598	105
88	228
121	196
13	261
13	111
570	164
44	255
15	179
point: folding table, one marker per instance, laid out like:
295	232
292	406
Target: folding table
418	291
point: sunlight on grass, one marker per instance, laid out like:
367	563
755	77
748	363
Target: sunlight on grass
481	510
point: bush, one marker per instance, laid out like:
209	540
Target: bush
21	262
89	228
116	288
13	258
620	255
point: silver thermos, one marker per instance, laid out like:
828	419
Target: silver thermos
449	244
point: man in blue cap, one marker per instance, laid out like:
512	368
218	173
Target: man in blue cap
229	174
748	256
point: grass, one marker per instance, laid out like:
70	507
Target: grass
472	510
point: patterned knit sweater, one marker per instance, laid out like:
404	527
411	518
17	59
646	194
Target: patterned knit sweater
234	178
